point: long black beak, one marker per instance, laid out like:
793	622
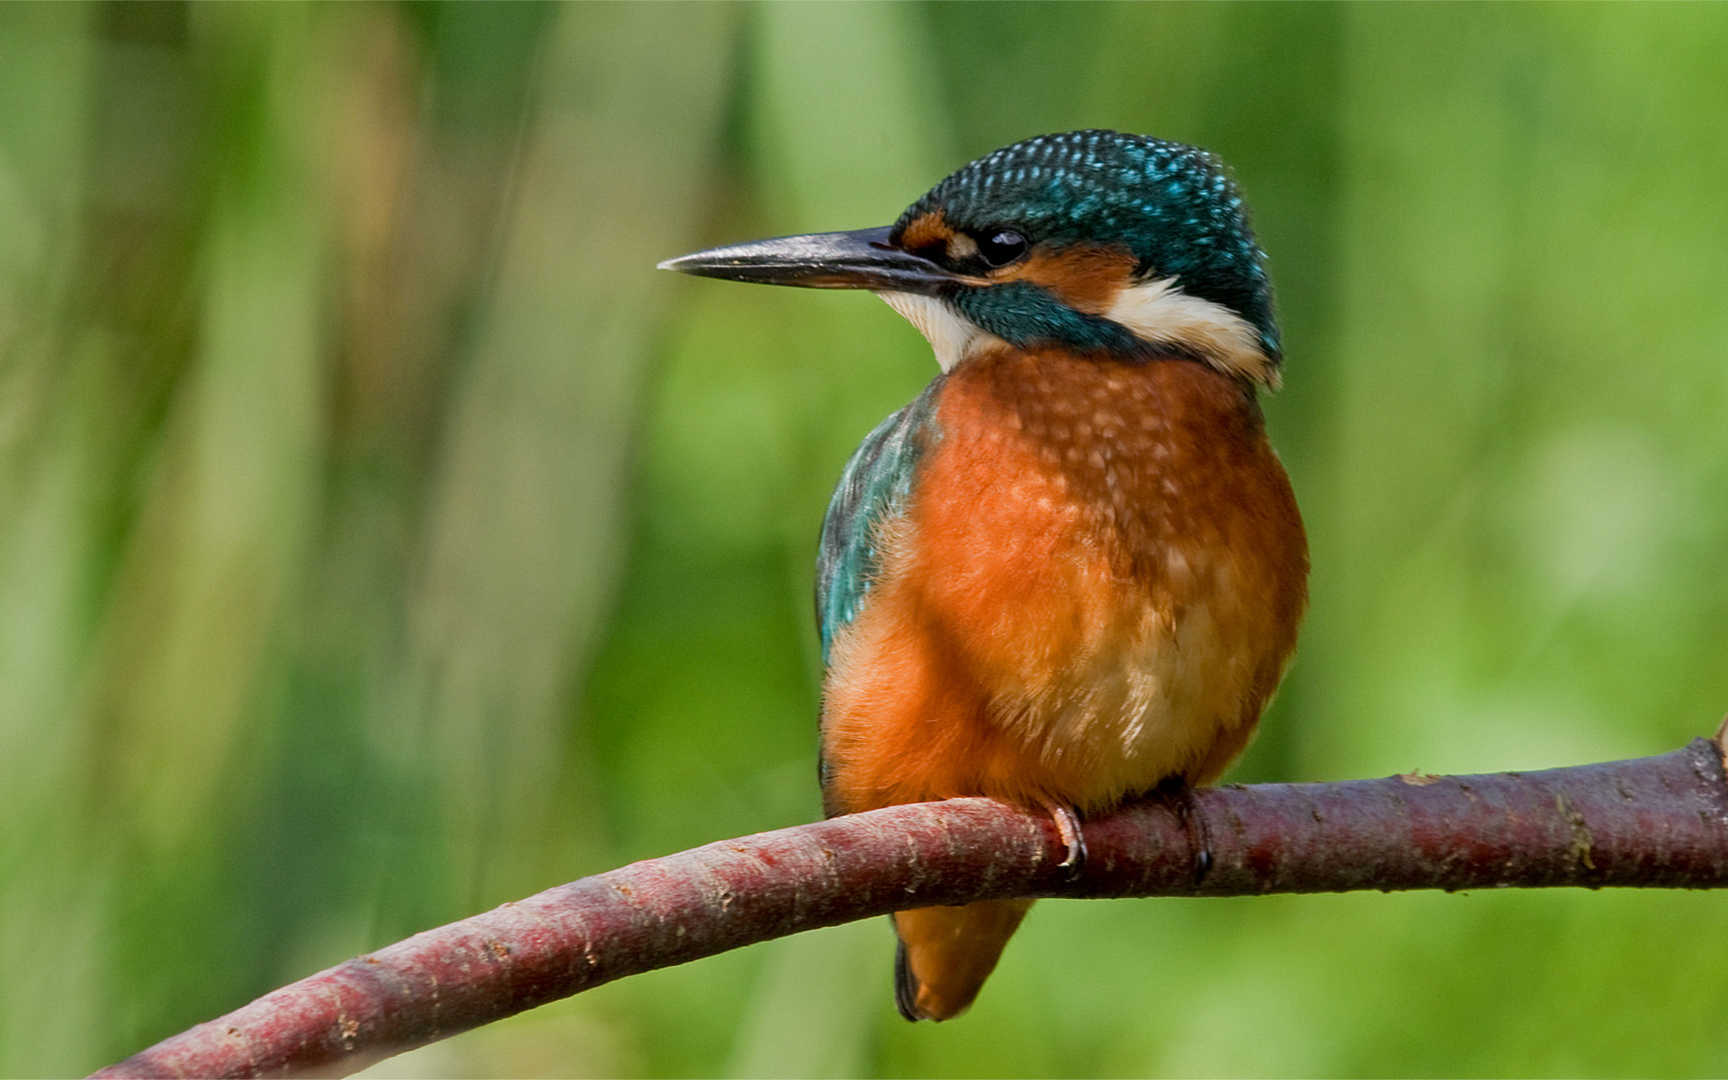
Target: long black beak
862	259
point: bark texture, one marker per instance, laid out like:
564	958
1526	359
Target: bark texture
1649	822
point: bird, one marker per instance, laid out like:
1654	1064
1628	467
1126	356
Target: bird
1072	570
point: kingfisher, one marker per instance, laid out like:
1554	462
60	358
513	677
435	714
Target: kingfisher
1072	570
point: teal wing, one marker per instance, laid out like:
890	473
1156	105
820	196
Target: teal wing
874	489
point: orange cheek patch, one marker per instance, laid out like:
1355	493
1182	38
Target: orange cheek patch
1085	277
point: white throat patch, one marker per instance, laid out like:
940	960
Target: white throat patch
950	334
1159	312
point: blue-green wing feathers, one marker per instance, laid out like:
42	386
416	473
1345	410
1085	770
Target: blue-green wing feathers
873	490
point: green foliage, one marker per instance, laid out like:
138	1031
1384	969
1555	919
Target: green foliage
381	538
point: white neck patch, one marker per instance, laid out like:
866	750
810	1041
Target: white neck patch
951	335
1160	313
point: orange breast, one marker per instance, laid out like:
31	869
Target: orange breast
1096	587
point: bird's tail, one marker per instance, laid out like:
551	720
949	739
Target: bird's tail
946	953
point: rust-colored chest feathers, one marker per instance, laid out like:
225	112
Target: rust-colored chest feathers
1143	460
1095	586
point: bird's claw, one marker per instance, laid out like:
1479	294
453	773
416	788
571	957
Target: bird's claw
1067	823
1188	812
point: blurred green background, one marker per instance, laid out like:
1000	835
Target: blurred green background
382	538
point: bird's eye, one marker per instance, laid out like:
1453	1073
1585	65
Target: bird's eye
1001	247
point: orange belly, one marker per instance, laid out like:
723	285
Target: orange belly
1096	587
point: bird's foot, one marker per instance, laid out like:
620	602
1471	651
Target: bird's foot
1180	798
1068	828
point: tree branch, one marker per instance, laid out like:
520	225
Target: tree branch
1653	822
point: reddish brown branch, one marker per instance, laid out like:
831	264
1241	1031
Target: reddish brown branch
1658	821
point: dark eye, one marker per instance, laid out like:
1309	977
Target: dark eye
1001	247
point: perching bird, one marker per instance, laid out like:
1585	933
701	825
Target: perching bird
1072	569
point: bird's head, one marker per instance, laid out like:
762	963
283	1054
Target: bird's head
1103	243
